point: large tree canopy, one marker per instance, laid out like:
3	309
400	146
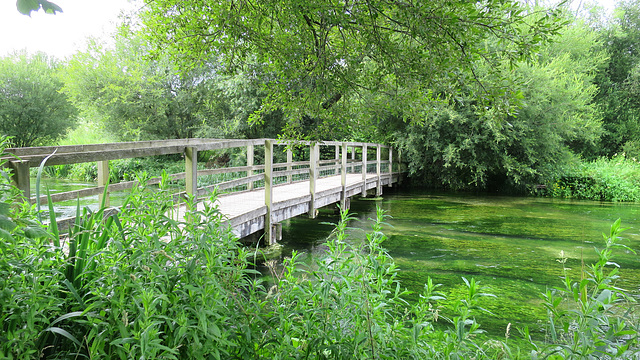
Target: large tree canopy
318	53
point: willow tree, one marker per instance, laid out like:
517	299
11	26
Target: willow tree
317	56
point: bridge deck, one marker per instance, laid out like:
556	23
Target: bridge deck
245	211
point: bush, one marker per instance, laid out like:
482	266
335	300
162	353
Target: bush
604	179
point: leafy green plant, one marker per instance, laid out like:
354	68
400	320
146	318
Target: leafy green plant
592	318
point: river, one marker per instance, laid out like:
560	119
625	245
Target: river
511	245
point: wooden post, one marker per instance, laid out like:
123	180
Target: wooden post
103	180
21	177
378	163
191	170
336	158
268	191
343	178
289	167
390	166
364	170
399	167
250	163
314	151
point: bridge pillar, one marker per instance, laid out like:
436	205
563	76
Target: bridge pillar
364	170
276	233
268	191
314	152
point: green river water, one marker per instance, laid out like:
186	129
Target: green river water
510	244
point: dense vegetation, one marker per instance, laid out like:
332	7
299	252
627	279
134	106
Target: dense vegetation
531	99
187	290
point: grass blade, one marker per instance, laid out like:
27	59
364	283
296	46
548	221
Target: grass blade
53	222
38	177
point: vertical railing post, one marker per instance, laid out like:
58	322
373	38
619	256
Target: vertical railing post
399	166
314	150
268	191
103	180
343	178
21	177
364	170
390	166
336	158
191	171
378	163
250	163
289	166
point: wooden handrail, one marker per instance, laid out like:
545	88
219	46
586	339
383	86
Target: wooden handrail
21	159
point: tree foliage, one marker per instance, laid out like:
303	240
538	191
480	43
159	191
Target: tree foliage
619	81
139	97
32	109
324	52
459	147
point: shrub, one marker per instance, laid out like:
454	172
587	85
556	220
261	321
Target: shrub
603	179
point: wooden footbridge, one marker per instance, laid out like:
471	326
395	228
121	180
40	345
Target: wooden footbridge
261	182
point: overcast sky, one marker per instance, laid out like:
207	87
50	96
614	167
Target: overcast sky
61	34
65	33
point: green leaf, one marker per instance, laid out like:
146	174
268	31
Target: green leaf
65	333
6	223
27	6
36	231
6	235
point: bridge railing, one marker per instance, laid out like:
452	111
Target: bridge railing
278	162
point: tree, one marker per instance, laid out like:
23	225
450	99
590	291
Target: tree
137	97
618	81
458	147
32	109
324	52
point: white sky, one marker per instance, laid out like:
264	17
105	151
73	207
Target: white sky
63	34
